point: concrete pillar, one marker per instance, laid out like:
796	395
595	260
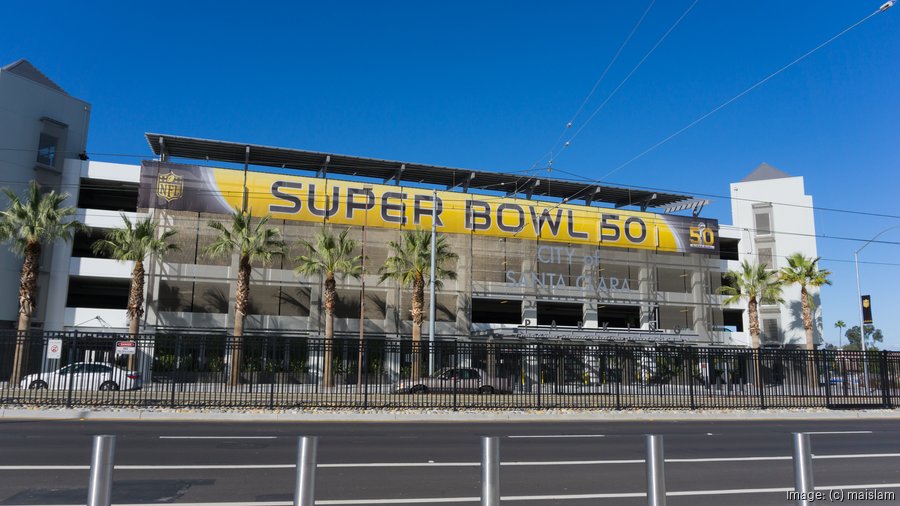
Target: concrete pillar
646	281
698	295
529	312
61	253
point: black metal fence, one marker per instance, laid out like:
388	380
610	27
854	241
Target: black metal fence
290	371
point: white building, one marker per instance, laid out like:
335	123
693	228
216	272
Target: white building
44	134
772	218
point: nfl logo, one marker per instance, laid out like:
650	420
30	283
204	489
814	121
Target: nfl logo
170	186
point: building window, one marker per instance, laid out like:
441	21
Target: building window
676	317
619	316
763	223
770	334
47	150
728	249
496	311
559	313
766	257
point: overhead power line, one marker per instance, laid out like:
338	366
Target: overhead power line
628	76
578	194
746	91
596	85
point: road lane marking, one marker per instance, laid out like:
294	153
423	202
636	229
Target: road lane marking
555	436
218	437
448	464
612	495
831	432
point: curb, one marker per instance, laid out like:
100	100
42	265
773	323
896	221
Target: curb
437	416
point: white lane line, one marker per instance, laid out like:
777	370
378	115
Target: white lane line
831	432
218	437
857	456
619	495
555	436
448	464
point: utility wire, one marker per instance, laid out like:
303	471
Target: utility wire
741	94
596	84
883	8
627	77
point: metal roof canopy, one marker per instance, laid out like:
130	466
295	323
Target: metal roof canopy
396	172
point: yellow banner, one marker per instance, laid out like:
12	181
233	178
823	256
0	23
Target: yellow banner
352	203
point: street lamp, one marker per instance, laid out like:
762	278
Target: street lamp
432	283
862	327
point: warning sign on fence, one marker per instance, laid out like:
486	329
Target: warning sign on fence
54	348
125	347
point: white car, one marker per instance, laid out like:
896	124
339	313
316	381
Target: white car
85	376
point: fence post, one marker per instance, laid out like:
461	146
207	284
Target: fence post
100	482
305	487
365	354
885	393
72	354
540	374
490	471
690	376
827	375
760	384
656	473
803	473
455	366
172	394
620	375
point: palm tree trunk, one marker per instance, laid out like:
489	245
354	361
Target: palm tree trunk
241	298
27	288
135	305
418	315
753	316
807	317
808	326
329	300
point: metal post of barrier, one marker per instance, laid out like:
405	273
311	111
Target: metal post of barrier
656	474
100	484
305	488
490	471
803	473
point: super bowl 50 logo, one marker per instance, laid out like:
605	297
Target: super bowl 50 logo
702	236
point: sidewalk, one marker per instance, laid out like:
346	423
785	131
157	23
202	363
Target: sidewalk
426	415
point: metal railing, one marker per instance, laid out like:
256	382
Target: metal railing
100	482
288	371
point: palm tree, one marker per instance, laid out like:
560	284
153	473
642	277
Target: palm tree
134	242
805	272
840	325
756	284
253	243
410	265
26	225
330	257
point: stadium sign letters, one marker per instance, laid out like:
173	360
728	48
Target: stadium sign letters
351	203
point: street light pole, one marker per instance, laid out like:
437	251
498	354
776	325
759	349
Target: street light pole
862	326
431	302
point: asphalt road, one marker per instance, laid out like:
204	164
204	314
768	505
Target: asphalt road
566	463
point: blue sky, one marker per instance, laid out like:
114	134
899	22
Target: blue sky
491	85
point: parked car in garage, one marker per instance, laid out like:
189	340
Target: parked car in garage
85	376
462	380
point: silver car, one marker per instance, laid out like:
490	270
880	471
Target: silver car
449	379
85	376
